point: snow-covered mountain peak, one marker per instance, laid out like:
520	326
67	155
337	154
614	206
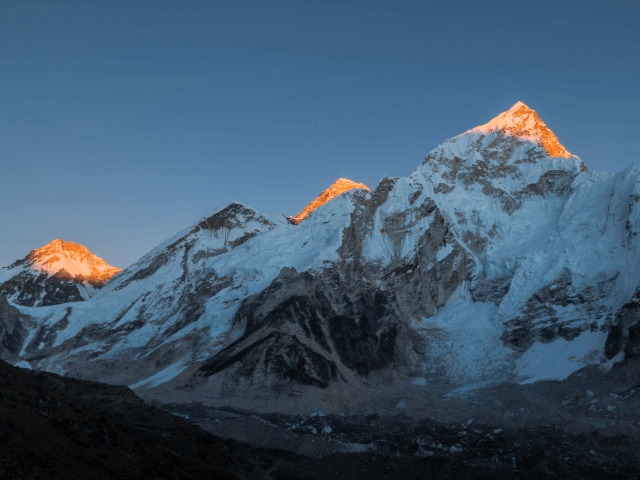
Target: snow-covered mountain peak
211	237
337	188
70	260
58	272
523	122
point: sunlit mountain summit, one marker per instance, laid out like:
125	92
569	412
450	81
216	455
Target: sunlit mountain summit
523	122
336	188
57	272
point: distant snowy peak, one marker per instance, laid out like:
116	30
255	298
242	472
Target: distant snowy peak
337	188
523	122
58	272
70	261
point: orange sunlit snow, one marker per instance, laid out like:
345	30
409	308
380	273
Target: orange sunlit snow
337	188
69	260
523	122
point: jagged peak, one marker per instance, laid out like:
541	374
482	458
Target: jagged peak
60	245
66	260
231	216
523	122
337	188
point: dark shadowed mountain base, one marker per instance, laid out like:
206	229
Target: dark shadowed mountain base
60	428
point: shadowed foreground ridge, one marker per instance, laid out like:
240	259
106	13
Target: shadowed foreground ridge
57	427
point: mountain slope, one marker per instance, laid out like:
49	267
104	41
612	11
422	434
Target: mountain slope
58	272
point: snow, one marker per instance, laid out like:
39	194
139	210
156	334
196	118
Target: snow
162	376
251	266
464	341
444	252
609	364
73	258
560	358
387	244
508	119
65	260
338	187
522	122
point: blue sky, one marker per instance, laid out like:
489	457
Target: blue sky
123	122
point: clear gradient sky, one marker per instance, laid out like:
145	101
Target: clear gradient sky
123	122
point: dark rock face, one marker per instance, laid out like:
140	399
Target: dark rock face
540	319
351	318
234	215
45	335
283	335
276	354
358	345
288	341
12	330
624	335
494	290
553	181
32	289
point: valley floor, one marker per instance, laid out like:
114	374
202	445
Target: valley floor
62	428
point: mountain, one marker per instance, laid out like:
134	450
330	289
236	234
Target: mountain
336	188
58	272
523	123
500	260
